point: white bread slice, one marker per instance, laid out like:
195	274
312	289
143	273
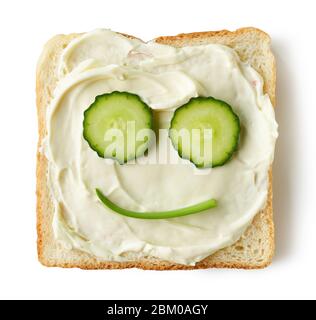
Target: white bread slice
254	250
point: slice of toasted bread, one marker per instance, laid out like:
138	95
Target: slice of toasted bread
255	248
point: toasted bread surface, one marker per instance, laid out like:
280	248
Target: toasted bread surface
254	250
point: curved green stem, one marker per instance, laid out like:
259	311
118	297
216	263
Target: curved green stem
160	214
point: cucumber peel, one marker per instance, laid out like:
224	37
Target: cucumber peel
198	208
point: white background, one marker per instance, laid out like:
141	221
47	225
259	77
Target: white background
27	25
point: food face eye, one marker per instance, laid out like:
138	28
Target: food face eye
112	123
205	131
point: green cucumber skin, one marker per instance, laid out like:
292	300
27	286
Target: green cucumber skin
237	136
101	154
157	215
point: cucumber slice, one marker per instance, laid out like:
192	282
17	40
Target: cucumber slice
203	206
113	121
191	127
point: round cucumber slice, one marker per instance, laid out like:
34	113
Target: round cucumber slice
205	131
118	125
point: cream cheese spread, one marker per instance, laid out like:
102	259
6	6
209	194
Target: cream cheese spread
165	78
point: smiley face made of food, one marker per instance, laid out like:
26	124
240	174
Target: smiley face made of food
195	207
